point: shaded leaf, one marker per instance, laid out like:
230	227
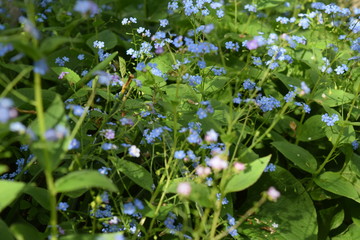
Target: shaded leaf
135	172
293	223
298	155
335	183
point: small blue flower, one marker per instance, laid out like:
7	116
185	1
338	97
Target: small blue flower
201	113
74	144
330	121
270	168
164	22
63	206
179	154
104	170
355	144
248	84
129	208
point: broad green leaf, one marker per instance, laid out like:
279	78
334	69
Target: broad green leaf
333	97
135	172
5	231
84	179
248	177
26	231
108	37
298	155
340	134
311	130
3	169
337	219
41	195
200	193
52	43
71	76
10	190
335	183
352	233
103	236
293	223
287	81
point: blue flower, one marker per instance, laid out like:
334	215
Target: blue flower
104	170
74	144
164	22
248	84
179	154
267	103
270	168
129	208
63	206
355	144
330	121
201	113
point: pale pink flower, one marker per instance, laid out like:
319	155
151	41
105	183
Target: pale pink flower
239	166
184	189
202	171
273	194
217	163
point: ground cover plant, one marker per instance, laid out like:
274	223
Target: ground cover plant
179	119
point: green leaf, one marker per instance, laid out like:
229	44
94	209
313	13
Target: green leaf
287	81
26	231
122	66
311	130
10	191
298	155
248	177
263	4
335	183
200	193
108	37
3	169
333	97
41	195
135	172
340	134
293	223
104	236
352	233
84	179
71	76
5	231
52	43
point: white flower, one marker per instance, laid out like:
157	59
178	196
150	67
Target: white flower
134	151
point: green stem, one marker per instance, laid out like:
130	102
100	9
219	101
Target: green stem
47	160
